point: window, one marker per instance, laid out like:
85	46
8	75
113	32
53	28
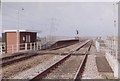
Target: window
27	38
23	38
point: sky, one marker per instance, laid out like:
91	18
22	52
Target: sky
60	18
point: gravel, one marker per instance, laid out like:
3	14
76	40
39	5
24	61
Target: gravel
33	72
90	71
24	65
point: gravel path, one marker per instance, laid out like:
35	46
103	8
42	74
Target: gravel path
90	71
24	65
66	70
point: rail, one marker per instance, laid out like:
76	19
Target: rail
41	75
6	63
81	67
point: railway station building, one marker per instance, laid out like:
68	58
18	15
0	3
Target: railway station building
15	40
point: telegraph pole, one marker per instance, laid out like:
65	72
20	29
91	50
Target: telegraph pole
52	28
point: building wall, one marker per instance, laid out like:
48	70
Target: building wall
11	40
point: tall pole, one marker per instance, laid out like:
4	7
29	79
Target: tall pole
52	29
17	32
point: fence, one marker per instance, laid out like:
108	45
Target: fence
22	47
108	46
100	46
2	48
112	47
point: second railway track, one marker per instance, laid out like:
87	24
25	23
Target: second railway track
71	68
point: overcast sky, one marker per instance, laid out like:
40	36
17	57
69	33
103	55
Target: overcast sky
90	18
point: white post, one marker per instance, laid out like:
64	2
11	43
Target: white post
34	46
30	46
25	46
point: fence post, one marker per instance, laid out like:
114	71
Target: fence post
34	46
0	49
37	45
30	46
25	46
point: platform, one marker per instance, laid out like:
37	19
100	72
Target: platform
104	68
103	65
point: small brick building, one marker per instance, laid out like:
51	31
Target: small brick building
16	38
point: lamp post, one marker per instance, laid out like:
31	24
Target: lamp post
17	32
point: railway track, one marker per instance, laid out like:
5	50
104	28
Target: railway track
81	67
21	57
70	67
67	69
22	54
17	57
